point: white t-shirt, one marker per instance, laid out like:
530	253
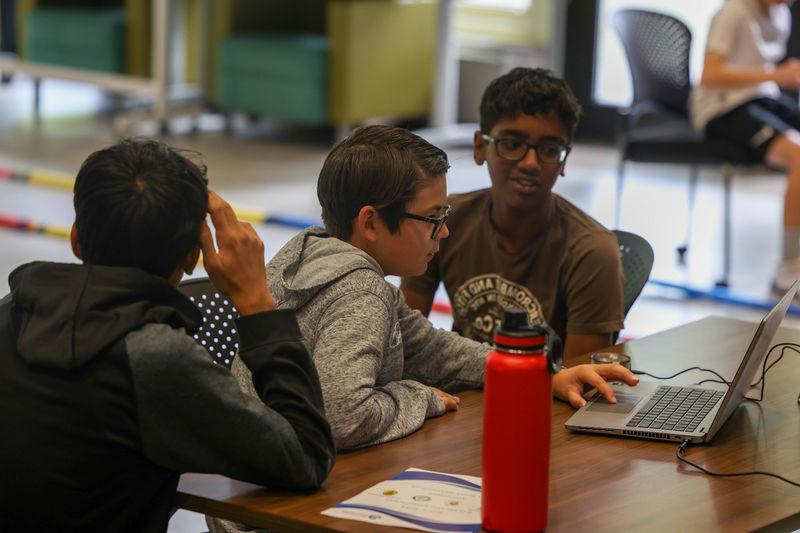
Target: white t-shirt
746	37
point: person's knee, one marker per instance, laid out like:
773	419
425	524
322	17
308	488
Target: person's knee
785	150
792	138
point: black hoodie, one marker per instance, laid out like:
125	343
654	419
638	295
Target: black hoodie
105	399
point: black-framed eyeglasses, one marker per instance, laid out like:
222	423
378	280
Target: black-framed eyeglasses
438	222
548	152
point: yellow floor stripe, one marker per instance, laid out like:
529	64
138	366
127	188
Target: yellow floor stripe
56	231
51	179
60	180
249	215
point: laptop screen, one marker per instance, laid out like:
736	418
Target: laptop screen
752	359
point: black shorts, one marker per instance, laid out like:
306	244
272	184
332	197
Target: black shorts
755	124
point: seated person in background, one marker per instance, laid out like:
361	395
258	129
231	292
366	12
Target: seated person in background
739	100
105	397
381	364
517	243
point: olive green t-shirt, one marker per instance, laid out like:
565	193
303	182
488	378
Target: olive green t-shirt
568	276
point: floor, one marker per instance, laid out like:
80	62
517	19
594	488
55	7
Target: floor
273	170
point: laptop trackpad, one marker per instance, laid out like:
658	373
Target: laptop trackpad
625	404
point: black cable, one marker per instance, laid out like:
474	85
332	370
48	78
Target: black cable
682	450
761	381
712	381
642	372
786	345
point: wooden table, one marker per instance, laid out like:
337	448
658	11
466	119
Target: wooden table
597	483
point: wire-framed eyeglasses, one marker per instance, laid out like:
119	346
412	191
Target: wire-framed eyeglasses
548	152
438	222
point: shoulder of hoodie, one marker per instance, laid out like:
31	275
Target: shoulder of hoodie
161	347
360	280
361	276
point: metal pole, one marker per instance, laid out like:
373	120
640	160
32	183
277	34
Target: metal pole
161	60
445	89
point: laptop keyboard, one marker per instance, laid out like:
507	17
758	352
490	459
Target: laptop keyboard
676	408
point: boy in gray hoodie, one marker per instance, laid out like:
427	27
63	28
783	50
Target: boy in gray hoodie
383	367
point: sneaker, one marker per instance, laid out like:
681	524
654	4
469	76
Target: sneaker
788	272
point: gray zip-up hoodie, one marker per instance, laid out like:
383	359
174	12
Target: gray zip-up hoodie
375	356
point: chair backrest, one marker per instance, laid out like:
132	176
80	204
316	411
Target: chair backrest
218	333
657	47
637	261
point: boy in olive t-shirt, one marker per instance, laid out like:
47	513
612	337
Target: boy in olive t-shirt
517	243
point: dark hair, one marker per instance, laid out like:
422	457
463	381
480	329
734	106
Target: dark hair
381	166
139	203
529	91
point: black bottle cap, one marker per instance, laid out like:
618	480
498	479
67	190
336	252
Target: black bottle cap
515	324
515	319
516	335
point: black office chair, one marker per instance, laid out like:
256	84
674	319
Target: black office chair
218	333
637	259
656	128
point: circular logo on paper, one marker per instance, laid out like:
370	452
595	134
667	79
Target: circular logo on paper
478	305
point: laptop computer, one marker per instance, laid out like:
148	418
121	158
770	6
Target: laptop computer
679	413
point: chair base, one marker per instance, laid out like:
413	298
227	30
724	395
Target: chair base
727	170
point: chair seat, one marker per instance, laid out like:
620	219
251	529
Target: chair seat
218	333
674	140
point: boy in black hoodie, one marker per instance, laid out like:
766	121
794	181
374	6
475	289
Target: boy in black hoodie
105	398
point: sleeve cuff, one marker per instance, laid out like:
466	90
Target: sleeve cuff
435	405
269	326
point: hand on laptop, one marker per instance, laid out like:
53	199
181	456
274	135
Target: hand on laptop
570	383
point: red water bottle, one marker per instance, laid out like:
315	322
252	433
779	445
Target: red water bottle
517	401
